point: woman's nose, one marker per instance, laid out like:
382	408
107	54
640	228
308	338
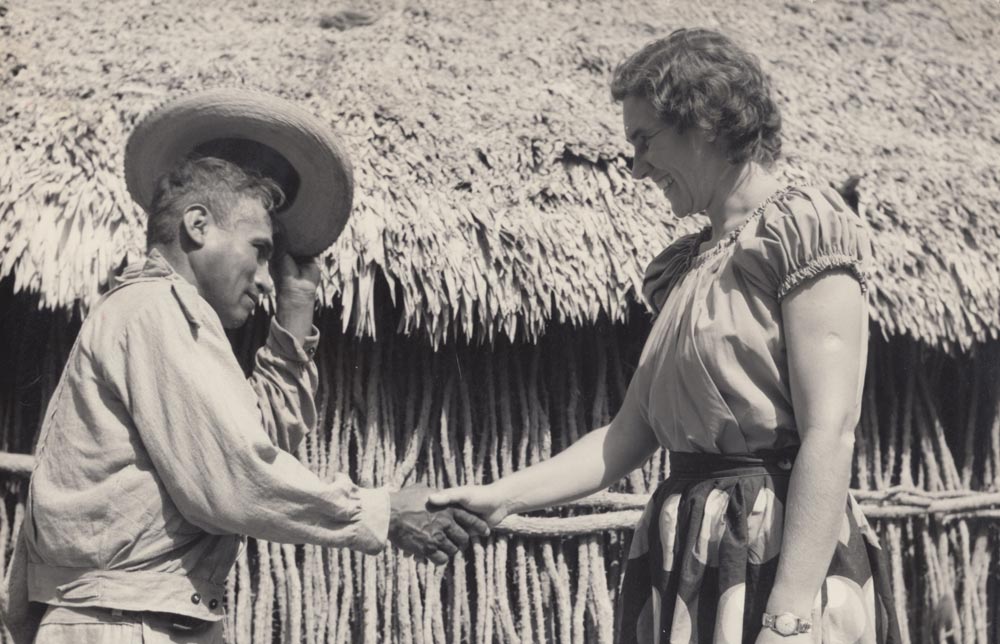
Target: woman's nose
640	169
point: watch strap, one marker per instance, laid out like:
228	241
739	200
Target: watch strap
800	625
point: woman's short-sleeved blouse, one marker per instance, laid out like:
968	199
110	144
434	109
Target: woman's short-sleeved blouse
713	376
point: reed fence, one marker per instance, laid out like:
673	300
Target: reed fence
395	412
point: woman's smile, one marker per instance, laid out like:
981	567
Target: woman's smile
665	183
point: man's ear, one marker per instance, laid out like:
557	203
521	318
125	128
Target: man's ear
194	223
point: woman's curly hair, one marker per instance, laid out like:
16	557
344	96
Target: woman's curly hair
700	78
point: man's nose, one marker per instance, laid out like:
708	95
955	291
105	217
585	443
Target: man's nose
263	280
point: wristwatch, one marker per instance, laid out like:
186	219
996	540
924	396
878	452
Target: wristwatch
786	624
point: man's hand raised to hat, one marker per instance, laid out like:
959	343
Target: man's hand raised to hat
295	283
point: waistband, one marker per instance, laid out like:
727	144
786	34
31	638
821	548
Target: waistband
178	624
705	466
137	591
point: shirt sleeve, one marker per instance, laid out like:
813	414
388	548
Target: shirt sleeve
806	233
666	270
200	422
285	378
21	617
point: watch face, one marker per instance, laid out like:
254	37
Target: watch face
786	624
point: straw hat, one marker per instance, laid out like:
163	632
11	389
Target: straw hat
256	131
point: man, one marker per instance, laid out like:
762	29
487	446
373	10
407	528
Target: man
156	453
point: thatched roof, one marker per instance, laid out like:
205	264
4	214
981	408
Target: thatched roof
493	190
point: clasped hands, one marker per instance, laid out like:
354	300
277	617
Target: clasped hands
435	525
433	530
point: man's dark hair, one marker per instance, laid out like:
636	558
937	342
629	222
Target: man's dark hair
214	183
700	78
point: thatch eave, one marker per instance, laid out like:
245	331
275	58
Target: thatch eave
494	196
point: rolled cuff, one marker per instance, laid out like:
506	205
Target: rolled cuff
284	344
820	265
374	518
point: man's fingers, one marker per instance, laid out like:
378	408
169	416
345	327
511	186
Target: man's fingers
437	556
457	535
471	522
444	543
283	264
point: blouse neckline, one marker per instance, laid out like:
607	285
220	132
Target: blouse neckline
698	258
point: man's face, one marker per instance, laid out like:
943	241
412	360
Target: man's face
231	268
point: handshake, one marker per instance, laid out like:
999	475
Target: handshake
432	525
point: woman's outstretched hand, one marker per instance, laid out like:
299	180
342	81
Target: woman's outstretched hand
483	500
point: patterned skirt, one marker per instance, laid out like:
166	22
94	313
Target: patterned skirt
704	556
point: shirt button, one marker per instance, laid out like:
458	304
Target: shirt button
213	604
196	598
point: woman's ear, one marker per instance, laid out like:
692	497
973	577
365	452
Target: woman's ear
703	138
194	224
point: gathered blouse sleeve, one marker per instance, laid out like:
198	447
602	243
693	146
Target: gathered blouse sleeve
667	269
804	234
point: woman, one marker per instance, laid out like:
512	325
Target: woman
751	377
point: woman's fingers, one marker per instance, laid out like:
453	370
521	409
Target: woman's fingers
451	495
482	508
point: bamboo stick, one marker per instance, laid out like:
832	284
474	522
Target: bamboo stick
898	586
292	629
972	385
436	608
482	607
280	583
969	589
603	606
312	598
265	596
524	626
501	597
467	474
243	622
489	588
348	570
506	429
329	619
387	592
538	596
402	598
369	611
492	438
459	601
582	591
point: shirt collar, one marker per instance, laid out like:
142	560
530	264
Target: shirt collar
153	266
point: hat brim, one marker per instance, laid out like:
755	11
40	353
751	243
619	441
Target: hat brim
319	196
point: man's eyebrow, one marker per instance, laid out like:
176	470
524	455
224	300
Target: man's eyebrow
266	243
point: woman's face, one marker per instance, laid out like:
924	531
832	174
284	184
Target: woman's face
683	166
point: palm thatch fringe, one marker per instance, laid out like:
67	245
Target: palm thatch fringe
493	190
396	412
